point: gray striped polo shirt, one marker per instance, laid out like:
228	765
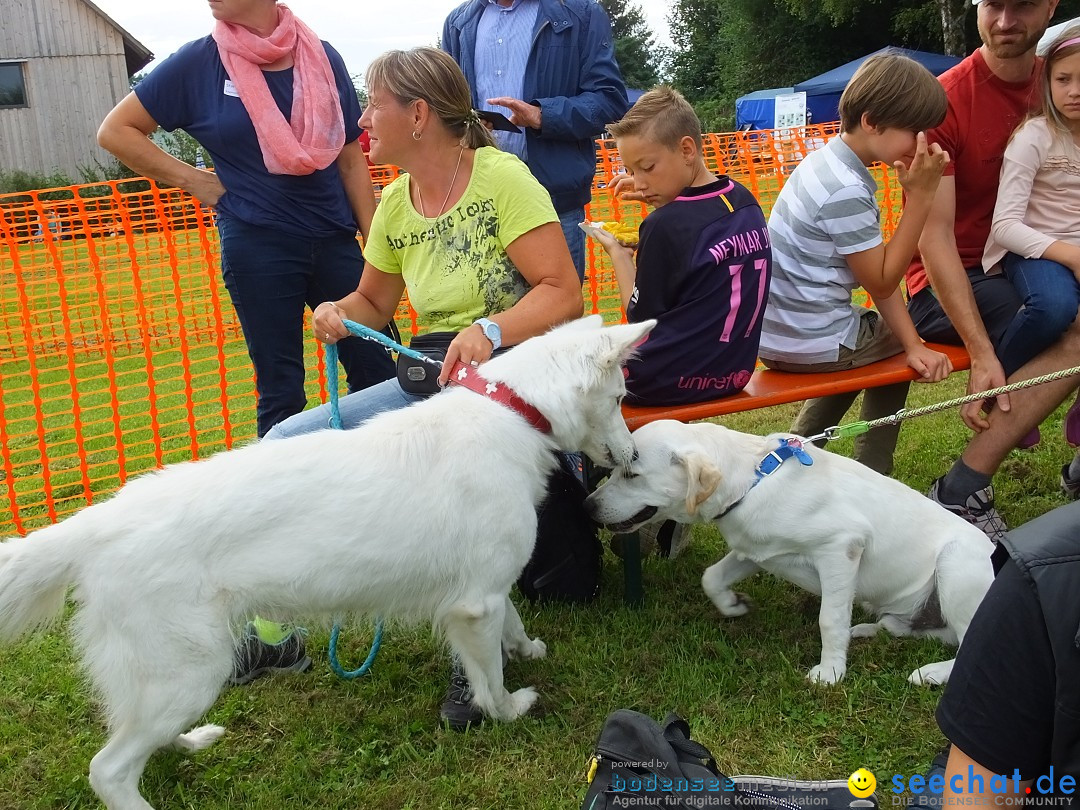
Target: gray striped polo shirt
827	210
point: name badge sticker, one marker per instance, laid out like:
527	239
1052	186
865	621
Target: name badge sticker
230	89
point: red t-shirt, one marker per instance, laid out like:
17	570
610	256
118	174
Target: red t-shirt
983	112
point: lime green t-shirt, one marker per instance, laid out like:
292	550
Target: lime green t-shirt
455	266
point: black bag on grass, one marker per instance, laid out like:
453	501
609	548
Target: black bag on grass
640	763
566	560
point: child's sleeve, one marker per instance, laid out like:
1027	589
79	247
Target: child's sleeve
852	220
658	274
1024	156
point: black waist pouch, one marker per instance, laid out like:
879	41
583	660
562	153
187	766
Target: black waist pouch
420	378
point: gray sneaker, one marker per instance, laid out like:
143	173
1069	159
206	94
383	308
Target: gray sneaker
978	510
254	658
1070	487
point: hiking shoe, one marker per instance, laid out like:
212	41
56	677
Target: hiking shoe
254	658
978	510
1069	486
457	710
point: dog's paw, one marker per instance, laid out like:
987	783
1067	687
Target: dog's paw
732	604
932	674
868	630
198	738
826	674
521	701
534	649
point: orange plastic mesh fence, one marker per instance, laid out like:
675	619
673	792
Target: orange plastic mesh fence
120	350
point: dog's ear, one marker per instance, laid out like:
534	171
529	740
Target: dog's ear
702	479
618	342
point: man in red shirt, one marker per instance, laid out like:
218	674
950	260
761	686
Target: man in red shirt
952	300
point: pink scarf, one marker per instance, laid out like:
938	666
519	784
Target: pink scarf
314	138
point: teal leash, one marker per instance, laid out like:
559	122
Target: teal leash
335	422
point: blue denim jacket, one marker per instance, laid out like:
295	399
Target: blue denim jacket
574	78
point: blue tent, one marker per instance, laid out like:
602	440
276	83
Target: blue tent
757	110
823	92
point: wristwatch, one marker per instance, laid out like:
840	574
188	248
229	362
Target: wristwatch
491	331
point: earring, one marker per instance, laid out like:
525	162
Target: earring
416	135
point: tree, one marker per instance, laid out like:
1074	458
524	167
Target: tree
636	50
360	88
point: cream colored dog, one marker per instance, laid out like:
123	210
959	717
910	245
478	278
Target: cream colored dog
833	527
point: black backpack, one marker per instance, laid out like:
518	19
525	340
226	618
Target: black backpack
566	560
639	763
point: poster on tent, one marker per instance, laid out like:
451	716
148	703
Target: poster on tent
790	111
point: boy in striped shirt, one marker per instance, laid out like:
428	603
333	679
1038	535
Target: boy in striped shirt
826	241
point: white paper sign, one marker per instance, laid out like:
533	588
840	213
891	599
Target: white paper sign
790	111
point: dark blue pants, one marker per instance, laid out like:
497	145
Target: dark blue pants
271	276
1051	297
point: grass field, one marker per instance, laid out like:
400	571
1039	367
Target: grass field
314	741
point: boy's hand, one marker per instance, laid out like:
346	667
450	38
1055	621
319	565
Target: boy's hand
608	241
932	366
924	173
622	188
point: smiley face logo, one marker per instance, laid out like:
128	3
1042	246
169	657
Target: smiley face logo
861	783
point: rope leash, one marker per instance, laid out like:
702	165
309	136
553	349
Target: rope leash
335	422
858	428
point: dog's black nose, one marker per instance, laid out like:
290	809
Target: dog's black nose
635	456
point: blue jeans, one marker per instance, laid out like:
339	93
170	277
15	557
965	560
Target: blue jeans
355	409
1051	297
270	276
575	238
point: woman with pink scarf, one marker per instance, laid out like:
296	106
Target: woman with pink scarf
276	110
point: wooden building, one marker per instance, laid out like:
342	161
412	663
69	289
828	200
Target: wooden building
63	65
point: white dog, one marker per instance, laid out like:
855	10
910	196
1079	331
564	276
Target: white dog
833	527
427	513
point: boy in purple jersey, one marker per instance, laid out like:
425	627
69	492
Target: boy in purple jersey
702	268
703	261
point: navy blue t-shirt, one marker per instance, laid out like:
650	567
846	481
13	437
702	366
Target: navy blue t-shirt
191	91
703	270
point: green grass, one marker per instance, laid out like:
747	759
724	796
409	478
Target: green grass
314	741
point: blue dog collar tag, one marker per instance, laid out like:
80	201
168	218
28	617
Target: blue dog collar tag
789	448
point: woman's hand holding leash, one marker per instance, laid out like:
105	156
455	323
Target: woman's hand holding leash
326	322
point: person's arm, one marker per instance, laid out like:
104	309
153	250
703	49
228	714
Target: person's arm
601	92
1024	155
125	133
932	366
543	259
372	304
951	286
880	269
963	775
356	178
622	262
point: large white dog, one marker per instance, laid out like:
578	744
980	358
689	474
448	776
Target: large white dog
428	513
833	527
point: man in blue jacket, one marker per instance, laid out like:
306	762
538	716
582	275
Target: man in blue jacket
551	65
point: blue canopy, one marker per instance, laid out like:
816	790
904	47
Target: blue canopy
757	110
823	92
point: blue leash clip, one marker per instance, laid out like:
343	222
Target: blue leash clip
789	448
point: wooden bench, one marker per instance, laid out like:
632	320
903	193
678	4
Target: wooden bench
765	389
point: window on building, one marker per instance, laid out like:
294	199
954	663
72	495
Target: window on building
12	85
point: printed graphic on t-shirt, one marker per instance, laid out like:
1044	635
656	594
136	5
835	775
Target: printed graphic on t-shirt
467	261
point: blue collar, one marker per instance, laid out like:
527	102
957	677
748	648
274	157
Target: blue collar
788	448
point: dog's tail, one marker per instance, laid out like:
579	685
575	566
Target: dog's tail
35	573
